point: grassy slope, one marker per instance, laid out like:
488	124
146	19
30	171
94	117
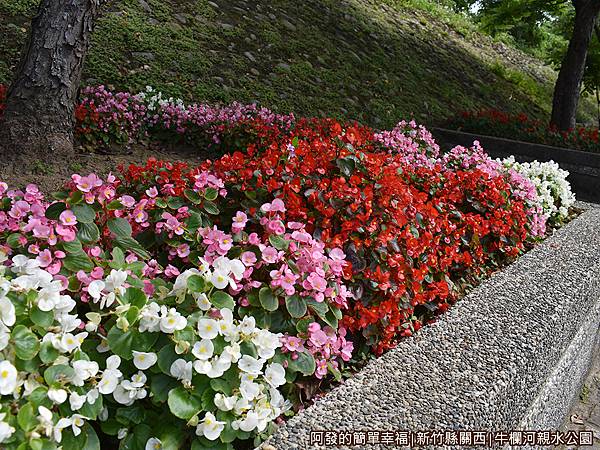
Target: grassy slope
373	60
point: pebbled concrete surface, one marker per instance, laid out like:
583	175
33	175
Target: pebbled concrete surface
506	356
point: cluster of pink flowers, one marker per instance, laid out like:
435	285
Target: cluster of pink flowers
127	117
325	344
414	142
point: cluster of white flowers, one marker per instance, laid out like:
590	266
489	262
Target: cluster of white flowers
29	278
209	343
555	196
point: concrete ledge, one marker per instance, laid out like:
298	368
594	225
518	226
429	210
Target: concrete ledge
510	356
584	167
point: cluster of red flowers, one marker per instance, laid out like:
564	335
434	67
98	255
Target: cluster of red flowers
416	236
521	127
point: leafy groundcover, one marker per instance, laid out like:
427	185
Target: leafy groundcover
176	307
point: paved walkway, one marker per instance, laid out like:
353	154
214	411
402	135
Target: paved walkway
585	413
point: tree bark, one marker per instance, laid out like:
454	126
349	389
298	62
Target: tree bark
568	84
39	116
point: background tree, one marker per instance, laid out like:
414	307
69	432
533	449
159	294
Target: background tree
39	116
531	22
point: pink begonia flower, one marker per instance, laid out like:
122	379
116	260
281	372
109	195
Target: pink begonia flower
248	258
295	225
34	249
97	273
321	368
107	192
270	255
86	184
19	209
148	287
44	258
171	271
127	200
140	216
239	222
316	282
276	205
152	192
95	251
276	226
54	268
243	302
60	254
131	258
67	233
183	250
22	240
253	239
67	218
64	280
301	236
3	187
293	343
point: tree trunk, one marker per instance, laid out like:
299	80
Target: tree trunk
39	116
568	84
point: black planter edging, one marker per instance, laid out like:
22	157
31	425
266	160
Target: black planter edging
584	167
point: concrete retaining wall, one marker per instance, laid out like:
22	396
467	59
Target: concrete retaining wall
511	355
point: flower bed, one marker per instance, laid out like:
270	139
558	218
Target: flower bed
169	306
522	128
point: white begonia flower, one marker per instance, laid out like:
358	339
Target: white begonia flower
153	444
241	406
180	286
122	433
226	325
92	396
58	396
225	403
8	378
83	371
69	342
49	296
171	320
266	343
6	431
115	281
143	360
45	421
111	375
249	390
220	279
208	328
250	422
203	302
202	366
210	427
250	365
203	349
128	392
76	401
182	370
150	318
248	325
4	336
22	265
95	289
275	374
7	312
77	422
218	367
68	322
232	352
